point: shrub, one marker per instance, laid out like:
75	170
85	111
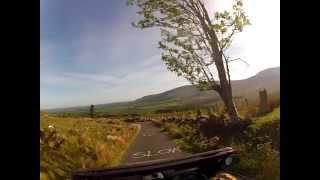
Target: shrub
256	140
259	148
187	137
267	126
263	163
173	130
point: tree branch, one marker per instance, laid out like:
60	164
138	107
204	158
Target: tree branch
239	59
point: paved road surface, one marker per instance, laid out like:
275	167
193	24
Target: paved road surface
151	144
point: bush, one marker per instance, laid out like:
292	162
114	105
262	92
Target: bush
263	163
256	140
187	137
259	148
267	126
173	130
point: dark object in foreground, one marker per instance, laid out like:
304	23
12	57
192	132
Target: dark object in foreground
199	166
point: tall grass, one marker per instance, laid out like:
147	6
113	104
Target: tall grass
67	144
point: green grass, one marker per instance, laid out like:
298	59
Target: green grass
272	117
81	143
259	156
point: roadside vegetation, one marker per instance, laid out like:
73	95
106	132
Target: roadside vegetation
256	137
259	148
68	144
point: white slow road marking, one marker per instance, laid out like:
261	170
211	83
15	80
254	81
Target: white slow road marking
160	152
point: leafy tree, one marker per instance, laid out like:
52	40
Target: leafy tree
194	43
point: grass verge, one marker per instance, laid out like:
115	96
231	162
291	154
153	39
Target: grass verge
67	144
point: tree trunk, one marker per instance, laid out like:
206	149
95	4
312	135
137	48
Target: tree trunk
225	90
226	96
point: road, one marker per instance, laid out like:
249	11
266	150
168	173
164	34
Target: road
151	144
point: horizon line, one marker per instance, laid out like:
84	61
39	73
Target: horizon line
79	106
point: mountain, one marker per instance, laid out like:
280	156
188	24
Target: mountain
189	96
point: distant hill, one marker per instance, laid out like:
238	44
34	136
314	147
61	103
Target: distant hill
189	96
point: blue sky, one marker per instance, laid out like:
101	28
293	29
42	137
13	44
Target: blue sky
90	53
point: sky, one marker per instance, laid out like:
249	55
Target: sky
90	53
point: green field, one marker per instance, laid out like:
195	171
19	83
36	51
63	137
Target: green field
68	144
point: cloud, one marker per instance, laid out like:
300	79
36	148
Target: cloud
107	61
103	88
118	47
